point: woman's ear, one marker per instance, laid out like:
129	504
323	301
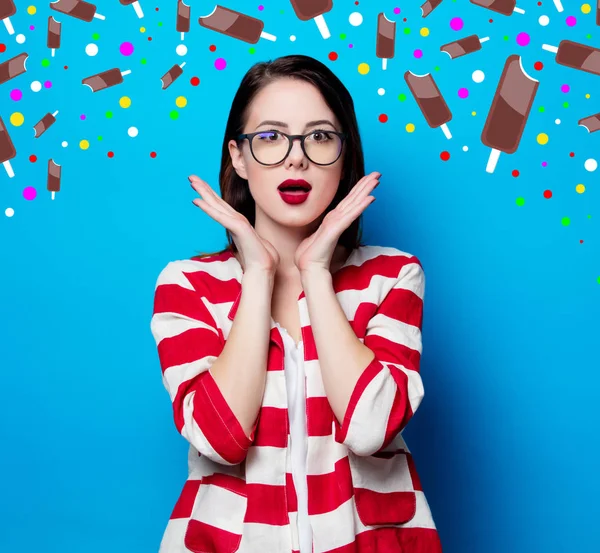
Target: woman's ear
237	159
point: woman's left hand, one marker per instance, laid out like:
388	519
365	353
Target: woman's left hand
316	251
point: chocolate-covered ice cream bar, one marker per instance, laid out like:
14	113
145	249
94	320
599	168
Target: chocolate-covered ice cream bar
509	110
183	18
54	171
576	55
430	100
136	7
13	67
7	149
386	39
106	79
591	123
505	7
7	9
235	24
429	6
464	46
314	9
44	124
76	8
169	77
54	29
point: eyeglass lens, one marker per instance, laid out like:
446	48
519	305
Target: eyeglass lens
270	147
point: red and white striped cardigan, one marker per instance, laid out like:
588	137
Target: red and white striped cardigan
364	492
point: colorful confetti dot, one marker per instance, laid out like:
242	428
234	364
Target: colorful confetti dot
84	144
381	91
194	81
293	38
543	20
565	88
580	189
586	8
174	114
181	50
181	101
36	86
523	39
64	143
463	93
396	11
418	53
363	68
333	56
445	156
132	131
220	64
125	102
520	201
20	39
152	154
565	221
515	173
410	127
547	194
571	21
590	164
45	63
91	49
402	97
17	119
383	118
47	84
456	23
16	95
31	10
406	30
82	117
355	19
538	65
478	76
557	121
542	138
126	48
465	148
424	31
29	193
2	48
109	114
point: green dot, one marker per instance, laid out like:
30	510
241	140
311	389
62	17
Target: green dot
520	201
565	221
45	63
160	23
588	36
281	12
95	36
174	114
436	68
541	109
109	114
252	50
99	138
406	31
505	37
565	104
402	97
598	281
143	61
342	36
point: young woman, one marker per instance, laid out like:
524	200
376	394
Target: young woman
292	357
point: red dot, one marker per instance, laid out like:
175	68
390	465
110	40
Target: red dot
32	158
491	20
538	65
111	154
333	56
2	48
445	156
515	173
383	118
581	241
149	38
152	154
212	47
404	20
547	193
156	9
572	154
195	81
66	67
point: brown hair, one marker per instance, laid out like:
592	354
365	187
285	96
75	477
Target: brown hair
235	190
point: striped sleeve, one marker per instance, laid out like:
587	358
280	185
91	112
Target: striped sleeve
189	342
390	389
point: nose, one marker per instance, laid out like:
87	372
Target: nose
296	157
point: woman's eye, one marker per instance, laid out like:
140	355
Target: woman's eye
320	136
269	136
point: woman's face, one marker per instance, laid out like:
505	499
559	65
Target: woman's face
294	104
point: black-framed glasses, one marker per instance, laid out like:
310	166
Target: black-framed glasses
271	147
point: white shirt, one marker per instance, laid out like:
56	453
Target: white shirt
296	394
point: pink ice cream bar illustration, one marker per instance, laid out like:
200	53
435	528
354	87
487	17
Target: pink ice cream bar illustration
54	28
429	6
54	171
386	39
76	8
314	9
235	24
430	100
7	9
505	7
7	149
598	12
509	110
183	18
136	7
591	123
464	46
13	67
106	79
576	55
172	74
44	124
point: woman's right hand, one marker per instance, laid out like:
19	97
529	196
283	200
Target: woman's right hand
255	252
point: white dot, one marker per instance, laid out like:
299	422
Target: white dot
9	212
544	20
20	39
355	19
91	49
591	164
64	144
381	91
465	148
36	86
293	38
478	76
132	131
181	50
557	121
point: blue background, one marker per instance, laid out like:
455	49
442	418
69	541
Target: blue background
505	439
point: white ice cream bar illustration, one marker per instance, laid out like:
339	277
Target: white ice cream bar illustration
76	8
54	31
7	10
314	9
509	110
136	6
7	149
44	124
429	6
54	172
183	18
464	46
169	77
235	24
505	7
576	55
106	79
430	101
386	39
13	67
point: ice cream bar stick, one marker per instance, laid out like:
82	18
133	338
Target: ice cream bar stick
9	169
268	36
53	50
322	25
384	63
519	10
138	10
55	113
550	48
492	161
446	130
484	39
183	64
126	72
558	5
9	26
98	16
182	36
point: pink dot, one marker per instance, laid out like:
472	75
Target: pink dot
418	53
31	27
261	8
571	21
47	84
220	64
463	92
16	95
350	45
29	193
523	39
456	23
396	11
544	163
82	117
565	88
126	48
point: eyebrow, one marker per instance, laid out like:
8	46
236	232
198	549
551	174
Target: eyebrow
309	124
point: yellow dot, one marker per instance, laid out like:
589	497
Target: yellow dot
580	188
125	102
587	95
586	8
17	119
181	102
363	68
410	127
31	10
473	113
84	144
542	138
424	31
142	29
